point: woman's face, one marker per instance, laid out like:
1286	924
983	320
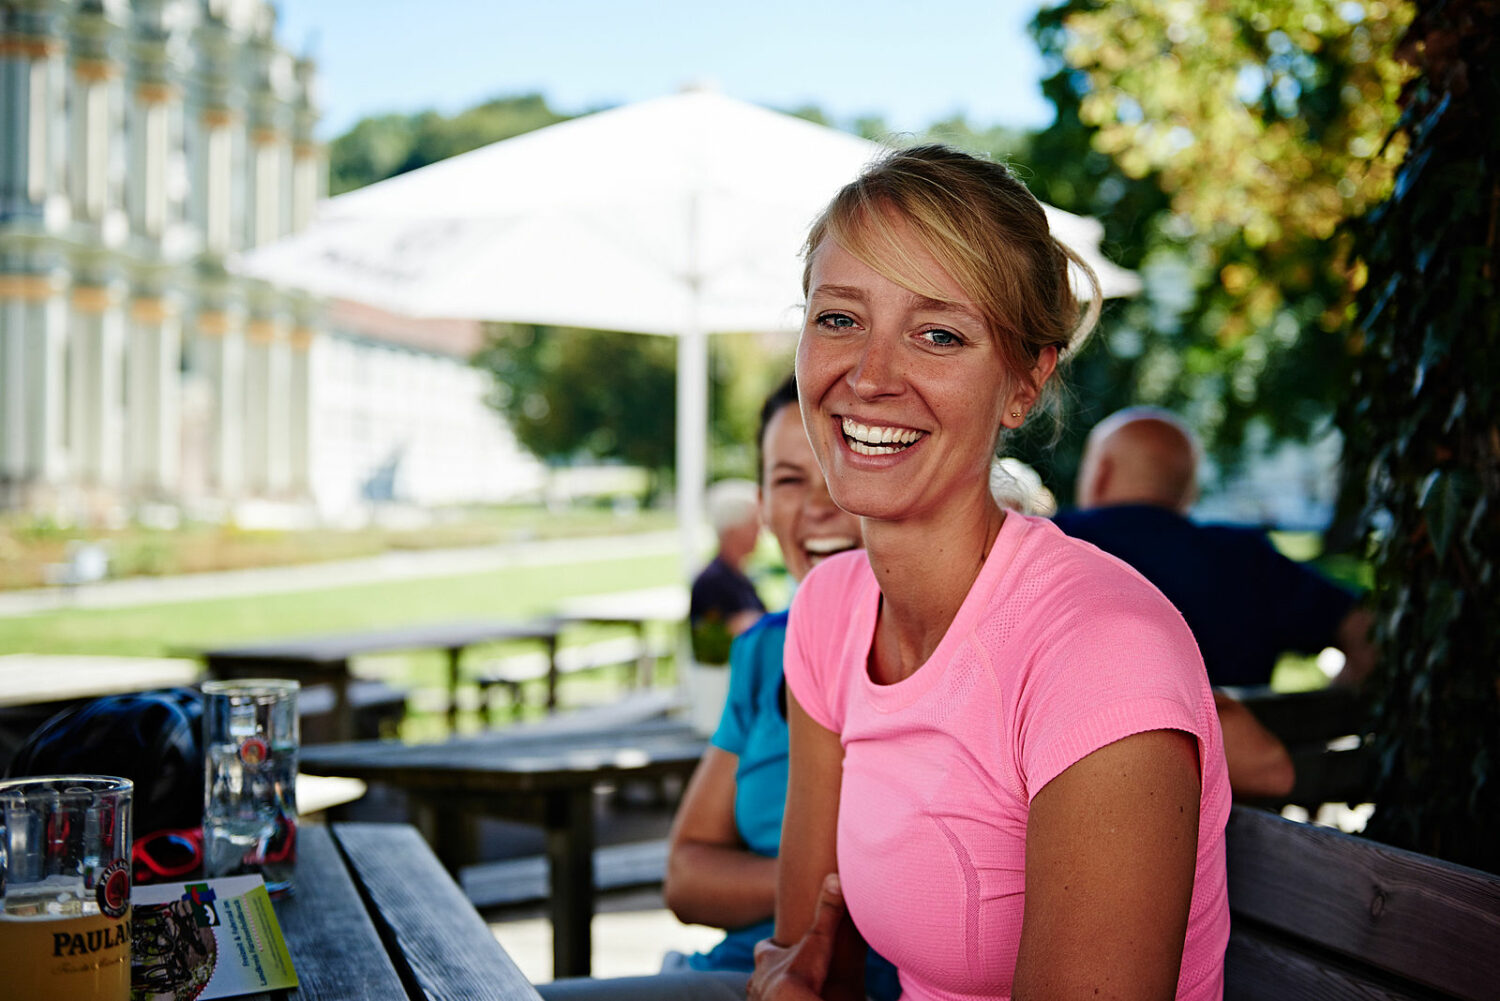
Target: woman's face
903	396
794	498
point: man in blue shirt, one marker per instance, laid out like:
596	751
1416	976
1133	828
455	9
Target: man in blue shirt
1245	603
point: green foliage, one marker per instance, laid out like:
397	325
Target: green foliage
1162	109
1425	447
380	147
571	394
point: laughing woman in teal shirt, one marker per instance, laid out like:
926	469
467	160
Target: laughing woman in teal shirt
721	870
722	866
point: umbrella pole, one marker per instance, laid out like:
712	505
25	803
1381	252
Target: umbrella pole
692	442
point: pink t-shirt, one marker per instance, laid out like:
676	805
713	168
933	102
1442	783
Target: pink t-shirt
1058	650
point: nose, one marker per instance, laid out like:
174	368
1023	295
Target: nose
878	372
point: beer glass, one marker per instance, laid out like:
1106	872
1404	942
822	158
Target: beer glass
250	739
65	887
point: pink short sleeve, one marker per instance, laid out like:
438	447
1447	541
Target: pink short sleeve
1128	665
812	658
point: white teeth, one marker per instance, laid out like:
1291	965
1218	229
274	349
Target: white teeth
865	439
830	544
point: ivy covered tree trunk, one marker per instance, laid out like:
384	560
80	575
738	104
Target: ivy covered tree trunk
1421	425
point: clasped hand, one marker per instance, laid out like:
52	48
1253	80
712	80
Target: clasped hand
800	972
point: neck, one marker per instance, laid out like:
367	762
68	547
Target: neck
925	568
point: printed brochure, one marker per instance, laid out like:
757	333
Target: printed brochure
211	938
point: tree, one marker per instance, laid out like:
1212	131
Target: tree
1221	144
386	145
570	394
1424	443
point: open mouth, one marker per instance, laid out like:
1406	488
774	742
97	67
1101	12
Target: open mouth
866	439
820	548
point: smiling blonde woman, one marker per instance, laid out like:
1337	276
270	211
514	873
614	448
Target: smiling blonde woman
1003	741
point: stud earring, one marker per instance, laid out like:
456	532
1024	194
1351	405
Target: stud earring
1015	413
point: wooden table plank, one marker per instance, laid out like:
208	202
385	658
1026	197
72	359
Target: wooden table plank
335	948
447	948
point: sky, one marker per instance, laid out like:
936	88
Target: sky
911	64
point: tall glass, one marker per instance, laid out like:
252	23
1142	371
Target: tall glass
65	887
251	736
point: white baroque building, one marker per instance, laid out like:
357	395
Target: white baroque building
141	144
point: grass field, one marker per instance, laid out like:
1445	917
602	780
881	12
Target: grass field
180	628
28	544
167	630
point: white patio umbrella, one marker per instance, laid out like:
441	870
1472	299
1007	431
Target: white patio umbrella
679	216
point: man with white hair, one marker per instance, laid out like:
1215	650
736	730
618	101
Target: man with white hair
724	602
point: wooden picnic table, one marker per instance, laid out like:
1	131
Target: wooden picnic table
376	917
544	775
326	658
635	610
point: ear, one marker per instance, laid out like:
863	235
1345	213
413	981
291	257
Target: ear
1024	397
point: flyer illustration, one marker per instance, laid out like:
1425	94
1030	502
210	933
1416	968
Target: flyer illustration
212	938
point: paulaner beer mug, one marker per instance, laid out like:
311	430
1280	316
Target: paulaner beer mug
250	739
65	887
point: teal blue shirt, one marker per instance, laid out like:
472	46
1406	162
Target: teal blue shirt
753	728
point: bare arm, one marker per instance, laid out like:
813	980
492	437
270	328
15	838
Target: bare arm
1259	764
810	827
1360	652
712	878
1111	846
816	952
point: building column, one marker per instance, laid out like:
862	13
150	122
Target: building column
259	336
97	385
152	429
31	83
33	337
221	350
299	410
267	421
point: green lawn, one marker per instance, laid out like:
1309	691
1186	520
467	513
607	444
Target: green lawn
177	629
167	630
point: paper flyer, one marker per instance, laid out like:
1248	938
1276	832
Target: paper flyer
212	938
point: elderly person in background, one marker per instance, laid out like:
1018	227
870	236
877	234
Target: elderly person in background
724	602
1246	603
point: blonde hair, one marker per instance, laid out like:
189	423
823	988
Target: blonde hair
983	227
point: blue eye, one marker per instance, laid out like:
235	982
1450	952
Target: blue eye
942	338
838	320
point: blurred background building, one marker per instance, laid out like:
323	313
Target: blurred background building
142	145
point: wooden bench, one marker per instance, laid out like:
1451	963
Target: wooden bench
526	880
513	672
377	711
1318	915
1326	731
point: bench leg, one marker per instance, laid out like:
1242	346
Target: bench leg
452	833
453	681
551	674
570	857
